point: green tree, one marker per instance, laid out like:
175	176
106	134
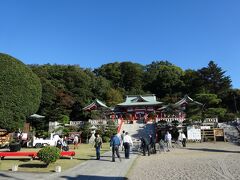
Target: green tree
232	101
132	76
214	79
210	106
113	97
66	89
152	70
20	92
110	130
110	71
193	84
167	79
86	132
64	119
126	75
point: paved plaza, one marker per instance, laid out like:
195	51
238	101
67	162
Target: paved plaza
91	169
201	161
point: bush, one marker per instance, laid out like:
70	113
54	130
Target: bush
20	92
106	139
49	154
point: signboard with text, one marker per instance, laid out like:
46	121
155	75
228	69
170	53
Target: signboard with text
193	133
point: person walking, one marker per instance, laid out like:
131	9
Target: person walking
145	146
115	143
127	143
152	144
182	138
168	140
75	142
122	137
98	145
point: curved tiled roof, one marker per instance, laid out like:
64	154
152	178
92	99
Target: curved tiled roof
140	100
96	104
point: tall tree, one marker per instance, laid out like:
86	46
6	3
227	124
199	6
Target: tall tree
164	79
111	72
125	75
214	79
193	84
132	76
152	70
232	101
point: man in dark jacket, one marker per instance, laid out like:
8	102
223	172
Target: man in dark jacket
145	145
152	144
115	143
98	144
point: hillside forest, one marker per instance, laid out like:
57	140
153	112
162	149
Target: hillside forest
66	89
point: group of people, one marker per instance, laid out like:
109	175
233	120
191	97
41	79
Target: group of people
168	139
148	144
117	141
62	143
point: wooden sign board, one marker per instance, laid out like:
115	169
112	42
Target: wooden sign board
218	132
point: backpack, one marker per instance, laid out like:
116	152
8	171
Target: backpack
59	142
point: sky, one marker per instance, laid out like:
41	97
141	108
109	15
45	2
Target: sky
90	33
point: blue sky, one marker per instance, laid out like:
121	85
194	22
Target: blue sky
188	33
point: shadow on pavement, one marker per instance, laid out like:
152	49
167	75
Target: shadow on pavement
105	156
212	150
87	177
84	159
32	165
8	177
4	175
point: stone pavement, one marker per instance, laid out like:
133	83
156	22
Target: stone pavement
89	170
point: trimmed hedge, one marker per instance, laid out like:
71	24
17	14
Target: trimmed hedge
20	92
49	154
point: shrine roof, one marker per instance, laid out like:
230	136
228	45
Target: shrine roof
96	104
136	100
185	100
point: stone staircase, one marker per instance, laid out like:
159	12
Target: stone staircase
137	130
133	129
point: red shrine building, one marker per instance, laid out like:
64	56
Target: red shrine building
138	107
145	108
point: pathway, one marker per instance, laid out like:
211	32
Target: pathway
91	169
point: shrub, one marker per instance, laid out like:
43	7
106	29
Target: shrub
20	92
49	154
106	139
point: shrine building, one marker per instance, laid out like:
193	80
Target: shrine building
145	108
138	107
